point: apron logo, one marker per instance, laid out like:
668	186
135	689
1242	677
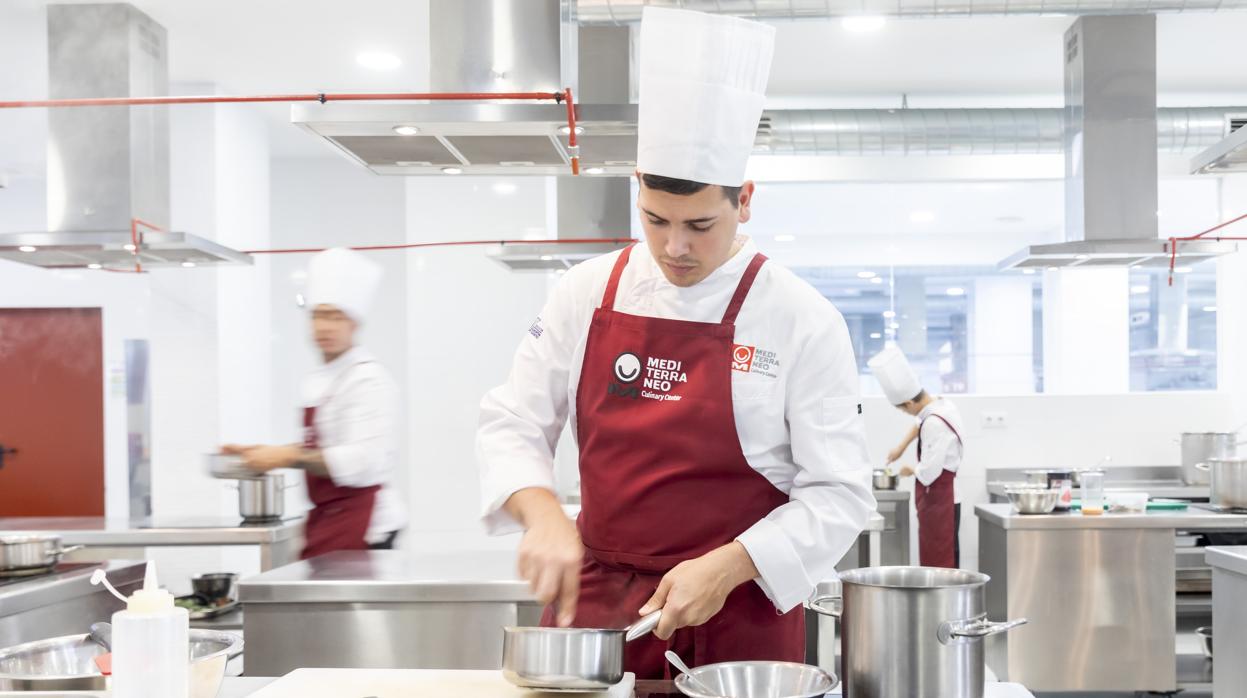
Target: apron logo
627	367
742	358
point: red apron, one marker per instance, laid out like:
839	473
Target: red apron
339	520
937	516
664	480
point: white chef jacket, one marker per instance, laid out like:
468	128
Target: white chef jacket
356	419
797	410
941	449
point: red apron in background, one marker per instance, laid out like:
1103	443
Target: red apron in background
340	516
937	517
664	480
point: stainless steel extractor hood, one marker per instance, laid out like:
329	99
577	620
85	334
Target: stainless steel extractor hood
1110	153
588	207
108	165
1229	154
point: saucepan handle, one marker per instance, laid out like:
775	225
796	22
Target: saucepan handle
816	604
642	627
1203	466
70	549
973	629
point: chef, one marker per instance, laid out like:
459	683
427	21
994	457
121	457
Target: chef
349	418
712	394
937	429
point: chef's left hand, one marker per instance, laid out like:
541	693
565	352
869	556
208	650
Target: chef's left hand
906	471
262	459
694	591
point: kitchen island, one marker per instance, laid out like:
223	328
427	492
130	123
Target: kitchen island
110	539
1099	592
1229	619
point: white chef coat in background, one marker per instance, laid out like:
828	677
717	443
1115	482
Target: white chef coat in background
357	426
800	426
941	449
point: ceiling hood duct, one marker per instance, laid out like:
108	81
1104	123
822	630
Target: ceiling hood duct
1228	154
487	46
900	132
1110	152
108	166
622	11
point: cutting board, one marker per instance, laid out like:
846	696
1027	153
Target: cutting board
414	683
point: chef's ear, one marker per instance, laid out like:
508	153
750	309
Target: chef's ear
744	199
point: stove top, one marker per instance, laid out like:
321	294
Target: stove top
1219	509
7	578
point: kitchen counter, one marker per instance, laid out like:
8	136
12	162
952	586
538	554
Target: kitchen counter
1157	489
892	495
1229	558
62	602
1192	519
1229	617
279	541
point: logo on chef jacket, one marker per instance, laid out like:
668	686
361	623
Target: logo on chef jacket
659	378
747	359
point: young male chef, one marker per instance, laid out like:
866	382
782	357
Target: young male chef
349	418
938	430
713	394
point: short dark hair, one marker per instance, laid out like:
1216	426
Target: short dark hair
685	187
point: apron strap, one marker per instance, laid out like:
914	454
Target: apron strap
742	289
612	286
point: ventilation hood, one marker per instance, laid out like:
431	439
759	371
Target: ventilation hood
587	207
1229	154
1110	153
108	166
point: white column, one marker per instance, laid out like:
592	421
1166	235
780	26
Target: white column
1086	331
1001	336
1232	305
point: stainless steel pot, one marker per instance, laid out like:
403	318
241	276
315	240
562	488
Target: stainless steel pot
913	631
1200	447
884	480
31	553
68	663
264	498
1229	482
580	659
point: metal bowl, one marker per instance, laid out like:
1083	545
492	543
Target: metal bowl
219	585
884	480
230	467
758	680
68	663
1205	640
1033	500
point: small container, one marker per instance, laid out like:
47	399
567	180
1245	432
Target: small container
151	645
1092	493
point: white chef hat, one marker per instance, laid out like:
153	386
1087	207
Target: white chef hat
895	375
344	279
702	85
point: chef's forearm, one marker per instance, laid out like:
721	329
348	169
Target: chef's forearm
313	461
533	505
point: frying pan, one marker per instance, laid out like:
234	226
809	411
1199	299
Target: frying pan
569	659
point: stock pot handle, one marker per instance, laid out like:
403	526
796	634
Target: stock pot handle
816	604
1203	466
973	629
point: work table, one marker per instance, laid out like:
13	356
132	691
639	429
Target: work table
1191	519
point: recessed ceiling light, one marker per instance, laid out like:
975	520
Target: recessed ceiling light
1052	268
504	187
863	23
406	130
378	60
889	313
594	170
1028	270
895	326
866	275
566	130
452	170
876	280
876	335
921	217
956	291
1210	308
1141	288
785	238
95	266
1082	256
28	248
413	163
188	265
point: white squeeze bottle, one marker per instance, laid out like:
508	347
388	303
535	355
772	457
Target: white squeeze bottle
151	645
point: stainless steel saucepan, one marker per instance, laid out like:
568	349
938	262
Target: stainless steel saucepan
569	659
34	553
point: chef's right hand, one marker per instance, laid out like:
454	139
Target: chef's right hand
895	455
551	553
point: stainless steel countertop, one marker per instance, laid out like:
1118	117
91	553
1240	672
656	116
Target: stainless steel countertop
893	495
1165	489
1193	519
46	590
1232	558
98	531
386	576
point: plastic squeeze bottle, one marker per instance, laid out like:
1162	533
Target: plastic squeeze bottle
151	645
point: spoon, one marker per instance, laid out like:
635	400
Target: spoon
696	682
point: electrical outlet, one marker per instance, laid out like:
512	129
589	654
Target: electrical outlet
995	420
